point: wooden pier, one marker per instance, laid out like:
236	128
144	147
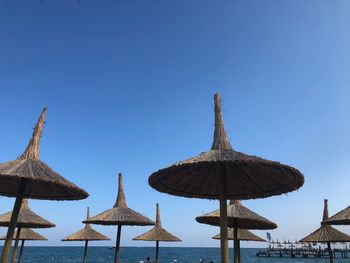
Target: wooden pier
302	252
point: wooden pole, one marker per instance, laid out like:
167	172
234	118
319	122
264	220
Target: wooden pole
85	250
14	216
14	251
236	245
117	244
223	229
21	252
330	252
239	250
157	251
233	250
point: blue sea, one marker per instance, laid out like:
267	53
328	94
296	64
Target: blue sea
139	255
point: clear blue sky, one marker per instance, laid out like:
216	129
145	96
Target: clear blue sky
129	88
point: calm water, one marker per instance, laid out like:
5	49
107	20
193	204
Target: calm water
135	255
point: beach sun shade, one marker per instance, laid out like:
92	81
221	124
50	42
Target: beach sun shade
86	234
222	173
26	219
242	235
238	217
26	234
326	234
28	177
340	218
120	215
157	233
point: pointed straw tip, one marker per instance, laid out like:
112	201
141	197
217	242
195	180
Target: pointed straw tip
158	222
120	181
220	140
121	197
325	210
32	150
24	204
43	113
235	202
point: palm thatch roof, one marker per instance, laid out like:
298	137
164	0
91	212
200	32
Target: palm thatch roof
26	218
86	234
340	218
245	176
41	181
243	235
238	215
27	234
157	233
326	233
120	214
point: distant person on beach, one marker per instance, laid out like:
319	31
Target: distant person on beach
149	260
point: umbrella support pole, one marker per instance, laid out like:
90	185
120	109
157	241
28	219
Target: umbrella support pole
14	216
21	252
236	245
233	250
239	250
117	244
14	251
330	252
157	251
223	229
85	250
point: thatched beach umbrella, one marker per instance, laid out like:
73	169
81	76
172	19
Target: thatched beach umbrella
326	234
86	234
26	234
242	235
238	217
26	219
120	215
28	177
222	173
340	218
157	233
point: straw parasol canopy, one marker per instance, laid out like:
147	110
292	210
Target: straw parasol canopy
41	181
238	217
326	233
26	219
157	233
340	218
120	215
86	234
28	177
242	235
222	173
26	234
